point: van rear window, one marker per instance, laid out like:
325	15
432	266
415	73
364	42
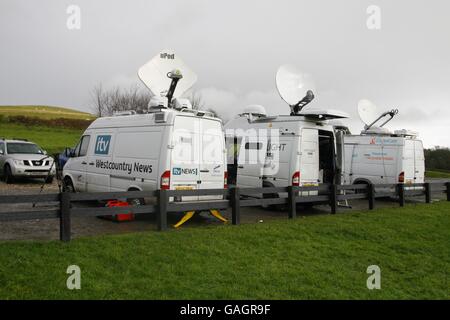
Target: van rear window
253	146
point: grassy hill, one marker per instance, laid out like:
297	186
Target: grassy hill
53	128
45	112
314	257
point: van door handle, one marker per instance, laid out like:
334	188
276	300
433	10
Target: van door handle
84	162
91	163
241	167
205	170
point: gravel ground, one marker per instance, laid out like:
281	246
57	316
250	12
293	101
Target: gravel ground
91	226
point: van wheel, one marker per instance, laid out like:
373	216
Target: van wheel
68	185
359	191
9	178
136	201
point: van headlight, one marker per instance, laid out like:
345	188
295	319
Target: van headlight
18	162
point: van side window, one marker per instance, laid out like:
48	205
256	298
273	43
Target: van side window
253	146
2	148
84	145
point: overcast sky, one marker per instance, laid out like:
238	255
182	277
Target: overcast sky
235	47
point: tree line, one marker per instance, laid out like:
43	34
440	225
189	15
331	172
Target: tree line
105	102
437	159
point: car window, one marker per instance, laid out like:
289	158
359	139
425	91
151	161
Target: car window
84	146
2	148
23	148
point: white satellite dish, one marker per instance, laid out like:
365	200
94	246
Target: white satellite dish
294	87
367	111
369	114
159	73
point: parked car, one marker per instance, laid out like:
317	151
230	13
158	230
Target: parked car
21	158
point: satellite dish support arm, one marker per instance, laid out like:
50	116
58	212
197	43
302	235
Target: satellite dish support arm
296	108
391	115
175	76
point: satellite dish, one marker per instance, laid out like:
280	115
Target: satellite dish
367	111
167	71
369	114
294	87
256	110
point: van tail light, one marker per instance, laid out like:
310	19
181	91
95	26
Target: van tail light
225	180
165	180
401	177
296	179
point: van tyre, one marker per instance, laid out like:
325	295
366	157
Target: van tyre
68	185
9	178
136	202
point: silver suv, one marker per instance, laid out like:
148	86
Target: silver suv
20	158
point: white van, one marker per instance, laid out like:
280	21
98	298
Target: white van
297	150
168	149
171	147
383	159
379	156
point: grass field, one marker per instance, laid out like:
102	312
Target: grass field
317	257
44	112
52	139
437	174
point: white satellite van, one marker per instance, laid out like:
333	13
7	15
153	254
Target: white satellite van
379	156
285	150
170	147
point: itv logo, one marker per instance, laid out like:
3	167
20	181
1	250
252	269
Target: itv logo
102	144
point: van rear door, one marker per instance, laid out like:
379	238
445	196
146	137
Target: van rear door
212	158
408	162
185	155
419	162
309	160
309	157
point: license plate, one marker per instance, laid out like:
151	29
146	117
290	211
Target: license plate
184	188
309	185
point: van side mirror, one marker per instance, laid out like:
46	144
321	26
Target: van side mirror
1	152
45	152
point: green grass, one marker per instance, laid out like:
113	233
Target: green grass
317	257
44	112
437	174
53	140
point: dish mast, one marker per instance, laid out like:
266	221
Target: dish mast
370	116
167	77
294	87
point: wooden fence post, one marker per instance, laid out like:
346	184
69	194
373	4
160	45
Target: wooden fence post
64	217
401	194
427	192
292	203
333	198
161	217
235	206
447	184
371	195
